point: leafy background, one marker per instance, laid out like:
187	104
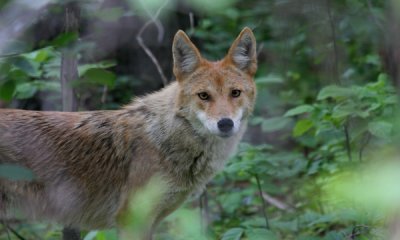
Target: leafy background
319	160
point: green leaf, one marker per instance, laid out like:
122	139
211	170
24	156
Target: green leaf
260	234
91	235
302	126
107	235
335	92
380	129
275	124
383	78
233	234
28	66
40	55
298	110
25	90
100	76
15	172
7	90
392	99
64	39
82	69
271	78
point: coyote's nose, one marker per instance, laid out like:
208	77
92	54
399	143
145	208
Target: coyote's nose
225	125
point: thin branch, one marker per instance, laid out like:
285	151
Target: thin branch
191	21
347	137
264	205
6	229
104	95
11	55
356	231
154	20
276	202
12	231
363	145
260	48
204	211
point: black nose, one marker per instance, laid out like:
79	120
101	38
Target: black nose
225	125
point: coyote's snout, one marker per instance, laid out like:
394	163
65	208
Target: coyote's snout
87	165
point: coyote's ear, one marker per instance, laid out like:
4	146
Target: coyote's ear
243	52
185	54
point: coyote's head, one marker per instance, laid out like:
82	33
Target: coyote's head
216	96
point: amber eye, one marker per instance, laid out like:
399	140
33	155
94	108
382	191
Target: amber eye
236	93
204	96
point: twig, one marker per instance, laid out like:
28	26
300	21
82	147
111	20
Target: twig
11	55
260	48
12	231
6	229
276	202
153	20
357	231
347	136
204	211
264	205
104	95
191	21
363	145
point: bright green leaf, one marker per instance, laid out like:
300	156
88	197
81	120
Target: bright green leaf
25	90
82	69
64	39
100	76
233	234
271	78
274	124
302	126
334	92
299	110
7	90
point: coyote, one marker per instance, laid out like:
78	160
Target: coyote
87	165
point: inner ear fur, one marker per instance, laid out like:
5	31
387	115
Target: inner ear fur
243	52
185	55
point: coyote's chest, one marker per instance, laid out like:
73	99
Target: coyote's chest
192	161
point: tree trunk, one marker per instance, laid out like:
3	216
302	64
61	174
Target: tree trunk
69	61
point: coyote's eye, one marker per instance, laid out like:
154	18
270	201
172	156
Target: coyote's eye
235	93
204	96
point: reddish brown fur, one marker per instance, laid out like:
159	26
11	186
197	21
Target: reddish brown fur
89	164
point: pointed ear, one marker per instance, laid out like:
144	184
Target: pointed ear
243	52
186	56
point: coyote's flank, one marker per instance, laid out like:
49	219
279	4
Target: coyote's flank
88	165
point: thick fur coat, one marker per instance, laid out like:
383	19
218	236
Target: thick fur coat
87	165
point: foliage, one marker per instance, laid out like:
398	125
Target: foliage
326	109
